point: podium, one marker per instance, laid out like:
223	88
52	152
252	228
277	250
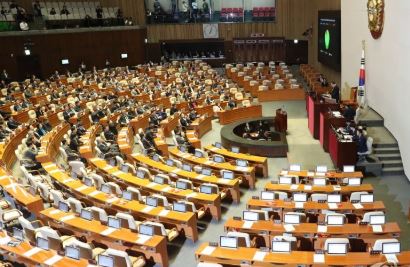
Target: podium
326	120
342	152
314	108
281	121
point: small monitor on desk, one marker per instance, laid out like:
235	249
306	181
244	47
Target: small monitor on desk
105	260
348	168
88	181
206	172
281	246
155	157
251	215
199	154
140	174
218	159
42	243
72	252
218	145
151	201
182	149
179	206
227	175
228	242
187	167
377	219
106	188
146	229
285	180
319	181
235	149
114	223
391	248
205	189
267	195
366	198
170	162
291	218
294	168
321	169
334	198
159	180
299	197
127	195
354	181
337	248
181	185
242	163
86	214
18	234
63	206
335	219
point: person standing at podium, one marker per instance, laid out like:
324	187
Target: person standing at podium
361	142
335	92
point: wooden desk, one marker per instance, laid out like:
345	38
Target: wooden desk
342	153
314	109
281	95
50	143
229	116
160	142
193	138
170	124
125	140
281	121
26	254
242	256
205	109
311	189
270	229
259	163
182	221
202	125
121	239
231	186
329	174
210	202
141	121
247	173
7	149
326	121
87	149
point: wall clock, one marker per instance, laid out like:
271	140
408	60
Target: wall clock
210	30
375	14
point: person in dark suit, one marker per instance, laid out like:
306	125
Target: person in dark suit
361	142
184	121
173	109
109	136
335	92
12	124
231	103
124	120
349	113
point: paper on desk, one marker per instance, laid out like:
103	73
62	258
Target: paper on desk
51	261
4	240
112	199
284	173
191	195
163	212
176	170
318	258
68	180
214	149
208	250
31	252
166	189
337	188
54	171
151	184
247	224
116	173
81	188
147	209
108	167
391	258
259	256
108	231
332	206
377	228
299	205
55	212
289	227
94	193
310	174
241	169
308	187
207	162
294	187
321	228
200	176
358	206
66	218
142	239
320	174
224	181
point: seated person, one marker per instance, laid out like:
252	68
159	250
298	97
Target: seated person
193	115
361	142
231	103
184	121
108	135
12	123
349	113
173	109
322	80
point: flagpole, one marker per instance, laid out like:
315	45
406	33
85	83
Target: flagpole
361	92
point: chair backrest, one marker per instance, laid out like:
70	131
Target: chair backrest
366	216
378	244
164	199
128	219
57	197
121	258
369	144
115	188
98	179
246	103
75	204
99	214
146	171
316	197
335	241
159	225
202	152
355	196
10	215
281	195
136	191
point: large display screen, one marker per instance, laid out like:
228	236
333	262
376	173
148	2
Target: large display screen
329	39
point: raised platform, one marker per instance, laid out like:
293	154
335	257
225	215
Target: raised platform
276	148
281	95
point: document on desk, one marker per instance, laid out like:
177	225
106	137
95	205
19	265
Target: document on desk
377	228
151	185
289	227
176	170
108	231
81	188
358	206
241	169
163	213
299	205
66	218
191	195
392	258
116	173
94	193
55	212
259	256
332	206
208	162
321	228
319	258
51	261
4	240
294	187
200	176
31	252
320	174
307	187
310	174
337	188
142	239
112	199
247	224
208	250
147	209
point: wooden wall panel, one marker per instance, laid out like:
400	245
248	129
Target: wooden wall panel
91	47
